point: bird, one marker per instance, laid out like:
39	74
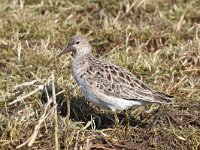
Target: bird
105	84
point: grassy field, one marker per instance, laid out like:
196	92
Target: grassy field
156	40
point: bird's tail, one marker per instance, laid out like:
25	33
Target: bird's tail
163	98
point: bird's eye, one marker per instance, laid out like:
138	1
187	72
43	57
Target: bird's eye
77	42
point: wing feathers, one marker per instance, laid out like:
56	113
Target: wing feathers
115	81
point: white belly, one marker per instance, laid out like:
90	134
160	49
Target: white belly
108	102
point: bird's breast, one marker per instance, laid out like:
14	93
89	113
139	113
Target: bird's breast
79	68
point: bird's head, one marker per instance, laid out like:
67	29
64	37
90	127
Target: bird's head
78	45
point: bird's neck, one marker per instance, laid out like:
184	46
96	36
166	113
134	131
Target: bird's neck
80	64
81	56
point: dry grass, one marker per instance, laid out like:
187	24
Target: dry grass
157	40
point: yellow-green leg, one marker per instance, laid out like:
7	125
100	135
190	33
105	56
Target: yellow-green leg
117	126
116	119
127	125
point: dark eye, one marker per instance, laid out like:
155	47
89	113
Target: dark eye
77	42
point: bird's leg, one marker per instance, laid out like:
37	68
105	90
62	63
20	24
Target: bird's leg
117	125
127	125
116	119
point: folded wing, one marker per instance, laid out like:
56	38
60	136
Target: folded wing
117	82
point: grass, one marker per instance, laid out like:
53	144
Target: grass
156	40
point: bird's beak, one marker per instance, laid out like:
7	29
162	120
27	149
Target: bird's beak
61	52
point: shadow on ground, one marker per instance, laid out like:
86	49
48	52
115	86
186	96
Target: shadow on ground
83	111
